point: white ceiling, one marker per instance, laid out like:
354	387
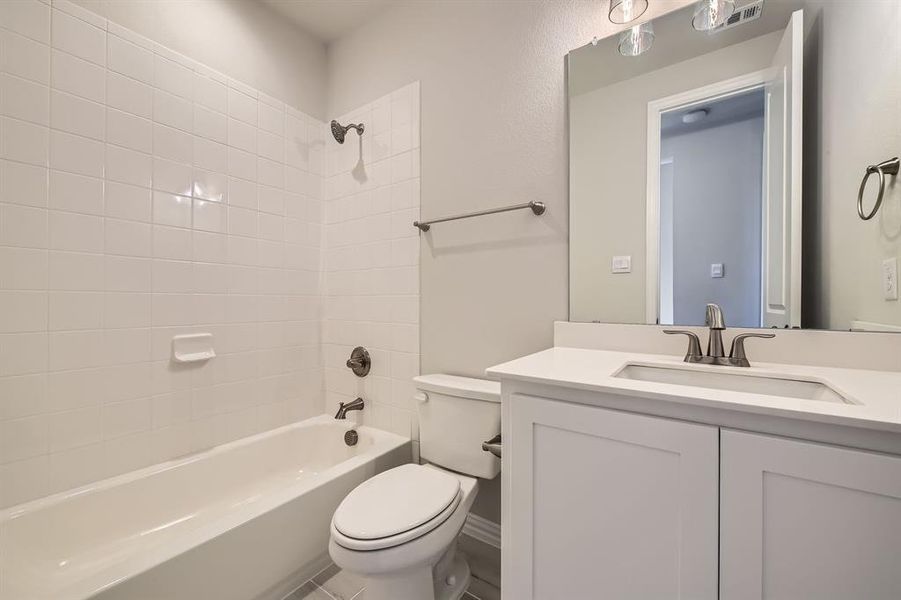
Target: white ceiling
328	19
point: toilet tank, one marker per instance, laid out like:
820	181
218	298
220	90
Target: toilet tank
457	414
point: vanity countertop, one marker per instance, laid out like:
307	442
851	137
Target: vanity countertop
877	393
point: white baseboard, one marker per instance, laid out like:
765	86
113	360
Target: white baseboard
483	530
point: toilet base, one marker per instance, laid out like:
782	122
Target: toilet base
447	580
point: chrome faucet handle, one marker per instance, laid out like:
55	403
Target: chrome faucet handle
714	318
694	344
737	356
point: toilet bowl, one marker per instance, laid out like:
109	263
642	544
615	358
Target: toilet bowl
398	530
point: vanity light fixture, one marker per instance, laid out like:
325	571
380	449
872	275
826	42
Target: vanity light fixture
636	40
710	14
625	11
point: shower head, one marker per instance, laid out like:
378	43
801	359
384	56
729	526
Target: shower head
339	130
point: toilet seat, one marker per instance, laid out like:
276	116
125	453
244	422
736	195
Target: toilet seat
395	507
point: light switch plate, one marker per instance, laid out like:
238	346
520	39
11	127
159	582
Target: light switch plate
890	279
716	270
621	264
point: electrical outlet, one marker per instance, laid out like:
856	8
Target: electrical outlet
890	279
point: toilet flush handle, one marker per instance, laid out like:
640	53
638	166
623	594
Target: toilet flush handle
493	445
421	397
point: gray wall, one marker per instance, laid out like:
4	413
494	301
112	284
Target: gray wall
717	219
493	133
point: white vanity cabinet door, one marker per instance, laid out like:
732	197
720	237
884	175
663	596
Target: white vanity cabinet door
803	521
607	504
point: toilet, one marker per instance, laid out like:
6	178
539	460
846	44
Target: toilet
398	530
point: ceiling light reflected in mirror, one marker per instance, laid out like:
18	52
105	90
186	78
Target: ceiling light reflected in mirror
626	11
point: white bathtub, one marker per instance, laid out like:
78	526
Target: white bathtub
246	520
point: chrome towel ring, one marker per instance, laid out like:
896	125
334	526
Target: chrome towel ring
889	166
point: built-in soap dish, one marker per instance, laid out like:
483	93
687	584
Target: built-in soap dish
194	347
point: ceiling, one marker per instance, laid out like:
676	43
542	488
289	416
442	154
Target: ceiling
328	19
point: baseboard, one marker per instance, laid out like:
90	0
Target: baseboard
483	530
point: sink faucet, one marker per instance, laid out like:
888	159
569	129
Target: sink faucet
343	408
715	355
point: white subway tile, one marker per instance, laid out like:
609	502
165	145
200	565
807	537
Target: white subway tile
23	226
30	18
210	247
24	480
24	99
210	124
210	155
171	242
78	37
173	276
129	95
172	110
76	232
22	396
23	438
24	57
76	115
79	77
242	135
125	418
242	221
171	209
169	176
22	183
241	106
210	93
23	268
209	216
129	131
242	193
75	271
210	186
128	238
128	166
75	310
23	353
76	193
123	201
75	350
126	274
24	142
23	312
76	154
173	144
129	59
126	310
173	77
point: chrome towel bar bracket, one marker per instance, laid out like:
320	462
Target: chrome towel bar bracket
537	208
889	166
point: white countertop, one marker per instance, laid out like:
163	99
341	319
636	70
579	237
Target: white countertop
878	393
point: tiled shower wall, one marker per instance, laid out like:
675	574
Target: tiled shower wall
144	196
372	260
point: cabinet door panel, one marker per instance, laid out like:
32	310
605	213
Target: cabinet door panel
606	504
804	520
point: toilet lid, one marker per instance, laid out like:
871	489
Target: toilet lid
395	501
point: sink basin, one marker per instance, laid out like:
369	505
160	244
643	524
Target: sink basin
752	384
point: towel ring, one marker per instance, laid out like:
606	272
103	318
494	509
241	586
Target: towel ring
889	166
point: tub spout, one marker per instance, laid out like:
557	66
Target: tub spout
343	408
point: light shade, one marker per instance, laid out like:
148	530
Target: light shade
710	14
625	11
636	40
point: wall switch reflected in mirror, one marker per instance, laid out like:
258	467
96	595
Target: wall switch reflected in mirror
621	264
716	270
890	278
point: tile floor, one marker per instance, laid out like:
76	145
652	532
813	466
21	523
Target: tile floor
334	584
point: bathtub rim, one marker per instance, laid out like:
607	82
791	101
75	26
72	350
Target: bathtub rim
96	582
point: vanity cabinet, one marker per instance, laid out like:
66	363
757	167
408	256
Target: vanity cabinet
601	499
806	520
608	503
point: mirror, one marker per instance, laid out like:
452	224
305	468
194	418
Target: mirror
724	166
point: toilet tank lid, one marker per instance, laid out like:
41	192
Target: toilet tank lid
463	387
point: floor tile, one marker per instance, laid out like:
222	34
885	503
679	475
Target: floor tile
309	591
340	584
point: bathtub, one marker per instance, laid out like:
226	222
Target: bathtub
245	520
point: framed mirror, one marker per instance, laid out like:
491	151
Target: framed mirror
723	165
